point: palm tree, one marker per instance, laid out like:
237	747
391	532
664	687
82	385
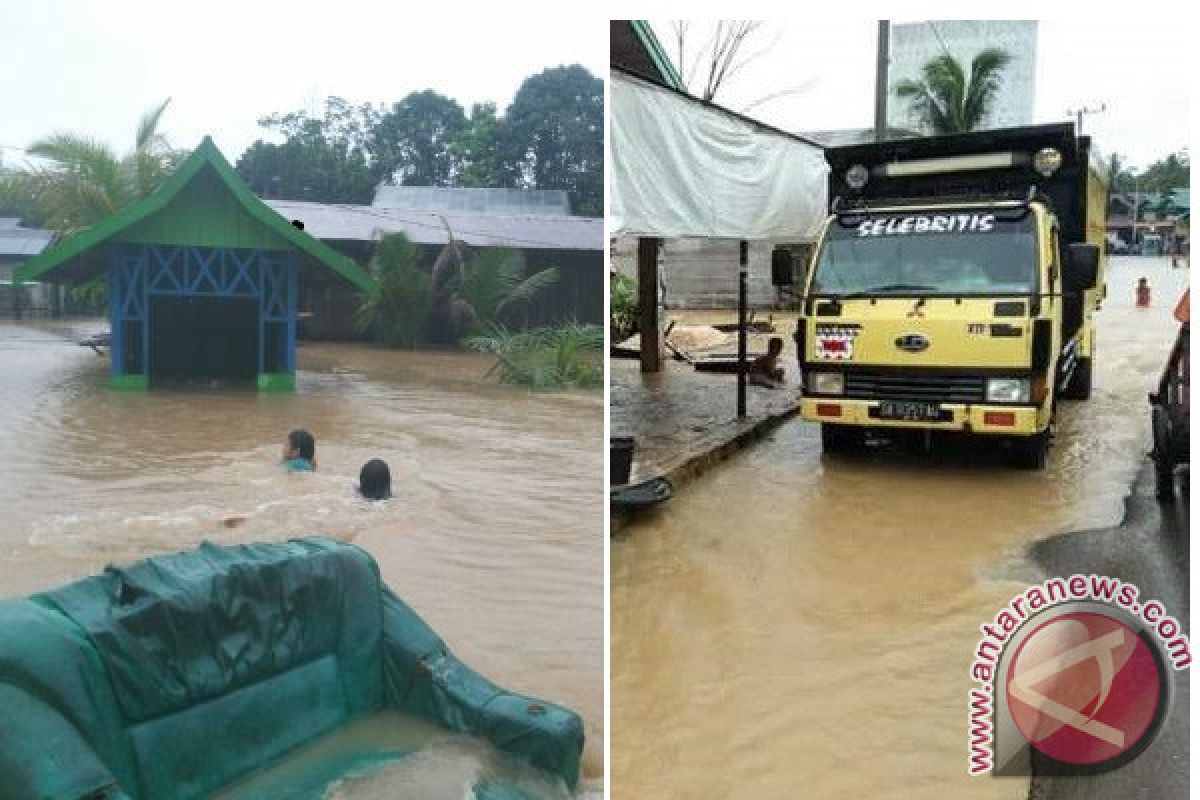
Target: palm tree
1119	176
475	290
945	100
464	292
79	181
566	356
397	313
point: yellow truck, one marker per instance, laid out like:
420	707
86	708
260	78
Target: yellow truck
953	287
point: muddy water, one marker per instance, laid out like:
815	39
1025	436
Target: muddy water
494	535
794	626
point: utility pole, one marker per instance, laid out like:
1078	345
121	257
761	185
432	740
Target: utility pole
1084	110
1133	235
881	81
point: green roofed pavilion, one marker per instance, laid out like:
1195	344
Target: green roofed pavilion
202	279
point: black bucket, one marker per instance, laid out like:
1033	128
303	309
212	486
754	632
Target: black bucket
620	459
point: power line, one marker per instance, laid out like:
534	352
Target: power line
938	36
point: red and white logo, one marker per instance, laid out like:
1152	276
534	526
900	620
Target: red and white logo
837	346
1084	688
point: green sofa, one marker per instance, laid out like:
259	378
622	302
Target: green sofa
173	677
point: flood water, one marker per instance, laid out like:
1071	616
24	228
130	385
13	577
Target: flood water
495	534
794	626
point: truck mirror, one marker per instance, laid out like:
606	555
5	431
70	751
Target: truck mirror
1082	268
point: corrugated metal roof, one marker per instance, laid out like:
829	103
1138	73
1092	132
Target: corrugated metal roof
370	223
454	200
141	221
18	241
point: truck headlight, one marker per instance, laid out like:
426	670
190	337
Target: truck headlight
856	177
1008	390
826	382
1047	161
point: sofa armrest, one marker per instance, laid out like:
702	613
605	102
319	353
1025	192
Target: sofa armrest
422	677
45	757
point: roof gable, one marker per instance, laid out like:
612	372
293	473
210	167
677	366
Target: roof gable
193	207
634	47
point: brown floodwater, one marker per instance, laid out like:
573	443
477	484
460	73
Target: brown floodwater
495	533
793	626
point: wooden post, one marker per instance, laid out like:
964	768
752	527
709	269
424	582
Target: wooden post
743	248
651	348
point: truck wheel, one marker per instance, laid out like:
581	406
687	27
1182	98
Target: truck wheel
840	438
1029	452
1080	385
1164	462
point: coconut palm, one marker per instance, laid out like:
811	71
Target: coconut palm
946	100
475	289
566	356
464	292
78	181
397	312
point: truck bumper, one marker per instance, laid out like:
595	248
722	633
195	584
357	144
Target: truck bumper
1026	420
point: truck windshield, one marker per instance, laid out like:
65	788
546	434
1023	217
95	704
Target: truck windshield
974	252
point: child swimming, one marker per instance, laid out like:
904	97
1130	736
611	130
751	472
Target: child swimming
299	451
375	480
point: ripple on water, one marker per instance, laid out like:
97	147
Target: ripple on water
494	534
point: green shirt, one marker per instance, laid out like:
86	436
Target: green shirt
298	465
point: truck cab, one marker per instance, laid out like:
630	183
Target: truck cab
952	295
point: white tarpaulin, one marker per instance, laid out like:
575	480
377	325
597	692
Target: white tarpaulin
683	168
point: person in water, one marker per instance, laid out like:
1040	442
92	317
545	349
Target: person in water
766	369
299	451
375	480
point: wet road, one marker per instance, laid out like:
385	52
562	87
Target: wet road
1150	549
790	625
495	535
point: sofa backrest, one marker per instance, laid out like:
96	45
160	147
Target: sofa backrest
220	658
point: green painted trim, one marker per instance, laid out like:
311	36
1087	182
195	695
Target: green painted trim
276	382
130	383
654	49
206	154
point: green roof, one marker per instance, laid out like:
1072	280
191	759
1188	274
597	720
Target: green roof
654	49
191	208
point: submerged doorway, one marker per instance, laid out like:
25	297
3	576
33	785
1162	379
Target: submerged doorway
199	338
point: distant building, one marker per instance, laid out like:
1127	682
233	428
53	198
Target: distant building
17	245
1165	217
912	45
536	222
516	202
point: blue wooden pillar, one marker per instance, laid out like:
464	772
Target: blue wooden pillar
129	349
293	291
116	319
277	321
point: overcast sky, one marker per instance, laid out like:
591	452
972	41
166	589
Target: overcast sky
1140	68
95	67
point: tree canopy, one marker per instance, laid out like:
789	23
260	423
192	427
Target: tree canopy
324	159
78	181
947	99
1165	174
550	137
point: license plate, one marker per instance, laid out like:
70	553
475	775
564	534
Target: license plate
909	410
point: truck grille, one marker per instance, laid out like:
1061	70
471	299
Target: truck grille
944	388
